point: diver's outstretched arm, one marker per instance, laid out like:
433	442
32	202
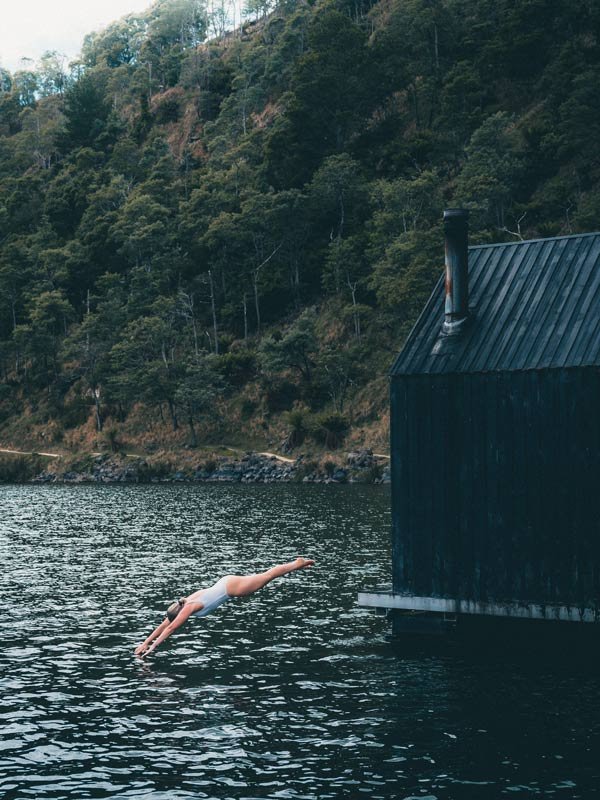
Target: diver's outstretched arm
156	632
170	627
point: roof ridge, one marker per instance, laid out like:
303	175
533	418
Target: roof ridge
531	241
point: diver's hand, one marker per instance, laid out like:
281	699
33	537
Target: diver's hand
302	563
140	649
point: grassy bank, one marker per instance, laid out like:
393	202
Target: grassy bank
20	468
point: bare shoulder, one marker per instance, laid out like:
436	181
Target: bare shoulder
192	606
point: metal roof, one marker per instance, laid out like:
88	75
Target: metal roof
533	305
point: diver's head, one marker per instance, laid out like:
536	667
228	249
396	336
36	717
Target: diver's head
175	608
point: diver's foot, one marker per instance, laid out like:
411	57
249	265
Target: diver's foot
302	563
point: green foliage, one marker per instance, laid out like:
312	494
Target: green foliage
19	469
86	113
155	470
329	468
330	429
294	349
184	219
280	394
237	367
197	390
298	422
491	172
111	436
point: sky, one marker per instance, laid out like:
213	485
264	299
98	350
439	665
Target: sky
30	27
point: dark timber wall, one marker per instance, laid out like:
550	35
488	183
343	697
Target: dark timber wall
496	486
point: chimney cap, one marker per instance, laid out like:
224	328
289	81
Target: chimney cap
456	213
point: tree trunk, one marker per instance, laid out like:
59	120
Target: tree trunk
256	300
355	314
172	414
193	437
99	423
214	311
416	105
296	283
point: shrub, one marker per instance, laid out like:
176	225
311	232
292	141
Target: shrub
75	413
248	407
304	469
298	423
167	107
237	367
330	428
329	468
19	469
111	436
210	465
158	469
280	395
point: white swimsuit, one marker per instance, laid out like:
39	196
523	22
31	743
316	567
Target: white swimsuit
212	598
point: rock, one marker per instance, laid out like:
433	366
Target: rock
339	476
360	459
44	477
70	476
227	473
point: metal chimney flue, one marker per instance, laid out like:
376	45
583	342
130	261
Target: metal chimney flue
456	238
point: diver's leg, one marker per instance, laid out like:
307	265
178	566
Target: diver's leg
239	585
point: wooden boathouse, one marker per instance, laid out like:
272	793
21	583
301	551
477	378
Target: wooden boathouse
495	437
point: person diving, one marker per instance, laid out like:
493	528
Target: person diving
205	601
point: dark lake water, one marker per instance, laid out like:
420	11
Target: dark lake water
294	692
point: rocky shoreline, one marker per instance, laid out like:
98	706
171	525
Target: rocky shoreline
360	466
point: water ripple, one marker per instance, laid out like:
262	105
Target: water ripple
292	693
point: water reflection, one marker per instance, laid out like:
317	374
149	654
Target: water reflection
292	693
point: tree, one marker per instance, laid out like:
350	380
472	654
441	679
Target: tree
52	74
140	229
89	345
295	349
39	339
182	21
40	125
143	364
338	192
25	84
339	366
86	114
256	9
197	390
330	94
489	179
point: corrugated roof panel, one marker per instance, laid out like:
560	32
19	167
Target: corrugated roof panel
558	282
588	294
514	326
497	306
533	289
590	354
535	305
572	298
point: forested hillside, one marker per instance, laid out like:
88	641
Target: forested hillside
227	236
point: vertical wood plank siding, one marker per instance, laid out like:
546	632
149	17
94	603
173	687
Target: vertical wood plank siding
495	486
